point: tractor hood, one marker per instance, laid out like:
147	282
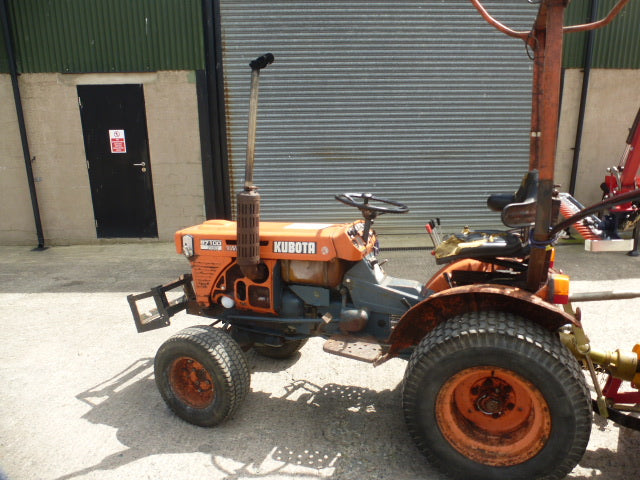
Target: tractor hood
281	240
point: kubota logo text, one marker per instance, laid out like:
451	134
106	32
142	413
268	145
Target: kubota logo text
308	248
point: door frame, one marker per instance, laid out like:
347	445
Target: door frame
108	169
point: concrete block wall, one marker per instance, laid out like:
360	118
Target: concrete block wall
16	214
174	148
612	103
54	131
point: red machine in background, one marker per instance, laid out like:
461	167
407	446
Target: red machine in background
602	229
623	178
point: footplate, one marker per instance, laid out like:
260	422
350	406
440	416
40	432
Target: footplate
161	315
366	349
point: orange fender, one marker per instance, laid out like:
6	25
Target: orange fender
426	315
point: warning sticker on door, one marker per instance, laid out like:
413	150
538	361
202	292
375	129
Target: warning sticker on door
117	141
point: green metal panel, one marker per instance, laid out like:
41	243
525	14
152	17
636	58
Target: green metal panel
4	59
78	36
4	63
615	46
574	44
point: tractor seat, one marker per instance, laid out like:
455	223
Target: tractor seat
517	209
480	244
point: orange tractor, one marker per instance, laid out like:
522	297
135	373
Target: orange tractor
495	384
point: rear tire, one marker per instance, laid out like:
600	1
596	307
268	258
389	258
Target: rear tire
490	395
286	350
202	375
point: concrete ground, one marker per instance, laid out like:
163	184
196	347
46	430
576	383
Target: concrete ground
78	399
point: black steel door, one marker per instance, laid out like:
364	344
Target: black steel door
115	140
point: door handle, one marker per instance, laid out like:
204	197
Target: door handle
141	164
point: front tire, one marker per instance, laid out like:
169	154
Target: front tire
490	395
202	375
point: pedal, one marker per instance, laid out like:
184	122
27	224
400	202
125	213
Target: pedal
365	349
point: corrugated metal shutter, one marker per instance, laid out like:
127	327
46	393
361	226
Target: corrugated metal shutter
416	101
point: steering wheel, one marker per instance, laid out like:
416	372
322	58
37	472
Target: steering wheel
370	205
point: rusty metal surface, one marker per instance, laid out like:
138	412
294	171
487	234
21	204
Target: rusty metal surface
549	26
493	416
366	349
425	316
192	382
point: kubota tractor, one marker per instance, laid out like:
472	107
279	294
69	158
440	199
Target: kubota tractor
495	384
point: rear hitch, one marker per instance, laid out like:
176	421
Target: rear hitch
160	316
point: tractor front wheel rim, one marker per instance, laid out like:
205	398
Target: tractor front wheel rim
191	382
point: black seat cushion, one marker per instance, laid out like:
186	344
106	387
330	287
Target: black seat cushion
480	244
528	190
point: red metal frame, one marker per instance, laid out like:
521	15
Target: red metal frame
631	162
610	391
629	178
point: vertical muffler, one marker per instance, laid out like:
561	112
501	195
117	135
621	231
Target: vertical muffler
248	200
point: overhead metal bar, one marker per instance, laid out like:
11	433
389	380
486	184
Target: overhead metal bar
617	8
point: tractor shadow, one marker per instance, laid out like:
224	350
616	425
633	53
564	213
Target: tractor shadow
306	431
613	460
309	431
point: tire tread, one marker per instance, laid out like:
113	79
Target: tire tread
227	355
499	330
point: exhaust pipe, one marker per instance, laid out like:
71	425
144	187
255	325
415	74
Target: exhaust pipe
248	231
248	200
